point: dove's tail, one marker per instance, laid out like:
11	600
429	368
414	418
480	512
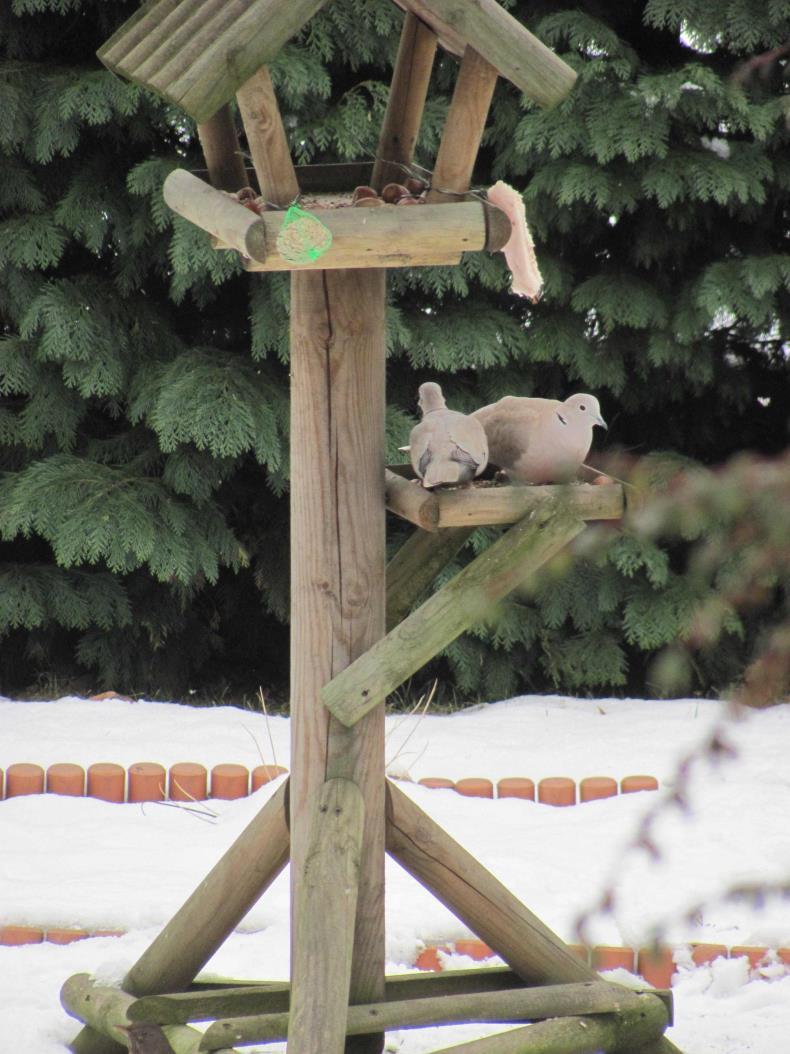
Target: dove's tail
439	472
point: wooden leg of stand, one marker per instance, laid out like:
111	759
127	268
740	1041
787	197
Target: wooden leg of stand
325	913
203	922
461	883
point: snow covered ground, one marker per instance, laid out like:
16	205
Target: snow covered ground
77	862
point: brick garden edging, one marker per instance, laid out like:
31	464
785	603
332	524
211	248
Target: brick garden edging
656	965
188	781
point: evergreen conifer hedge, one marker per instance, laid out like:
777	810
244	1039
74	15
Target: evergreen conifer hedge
144	377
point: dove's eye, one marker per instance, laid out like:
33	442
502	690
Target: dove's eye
582	407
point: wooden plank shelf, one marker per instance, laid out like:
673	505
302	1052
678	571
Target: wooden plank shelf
488	504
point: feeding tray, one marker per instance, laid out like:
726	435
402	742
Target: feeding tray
386	236
488	502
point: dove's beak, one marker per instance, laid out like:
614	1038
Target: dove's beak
600	421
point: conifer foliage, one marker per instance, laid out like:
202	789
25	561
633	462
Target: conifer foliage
143	376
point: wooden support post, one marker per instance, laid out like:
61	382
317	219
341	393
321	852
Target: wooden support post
104	1008
622	1033
466	120
202	923
226	168
508	1006
325	916
406	101
267	140
474	895
416	564
449	612
337	575
502	40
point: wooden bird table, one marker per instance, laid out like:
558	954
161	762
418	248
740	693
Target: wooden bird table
356	634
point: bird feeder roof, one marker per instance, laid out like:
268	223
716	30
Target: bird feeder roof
198	53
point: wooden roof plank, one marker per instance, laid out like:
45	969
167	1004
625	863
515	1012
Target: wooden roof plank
198	53
503	41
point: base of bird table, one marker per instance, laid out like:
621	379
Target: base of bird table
601	1014
575	1010
487	502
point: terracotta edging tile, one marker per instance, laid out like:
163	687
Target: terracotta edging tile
62	936
611	957
707	953
146	782
15	935
23	778
631	784
756	956
429	958
437	782
656	966
265	774
474	948
557	790
593	787
107	781
188	782
230	781
65	778
516	787
475	787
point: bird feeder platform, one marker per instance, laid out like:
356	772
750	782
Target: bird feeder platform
359	627
487	503
385	236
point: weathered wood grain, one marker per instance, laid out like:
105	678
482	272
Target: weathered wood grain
463	130
266	138
503	41
507	1006
416	564
324	914
337	568
449	612
408	91
224	160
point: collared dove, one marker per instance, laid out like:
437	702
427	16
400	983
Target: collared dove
540	440
446	446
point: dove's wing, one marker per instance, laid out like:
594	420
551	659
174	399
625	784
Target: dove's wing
510	425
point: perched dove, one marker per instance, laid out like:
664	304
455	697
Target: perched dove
540	440
446	446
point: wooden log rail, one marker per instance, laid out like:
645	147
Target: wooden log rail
103	1008
477	506
384	237
628	1015
209	1001
509	1006
449	612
